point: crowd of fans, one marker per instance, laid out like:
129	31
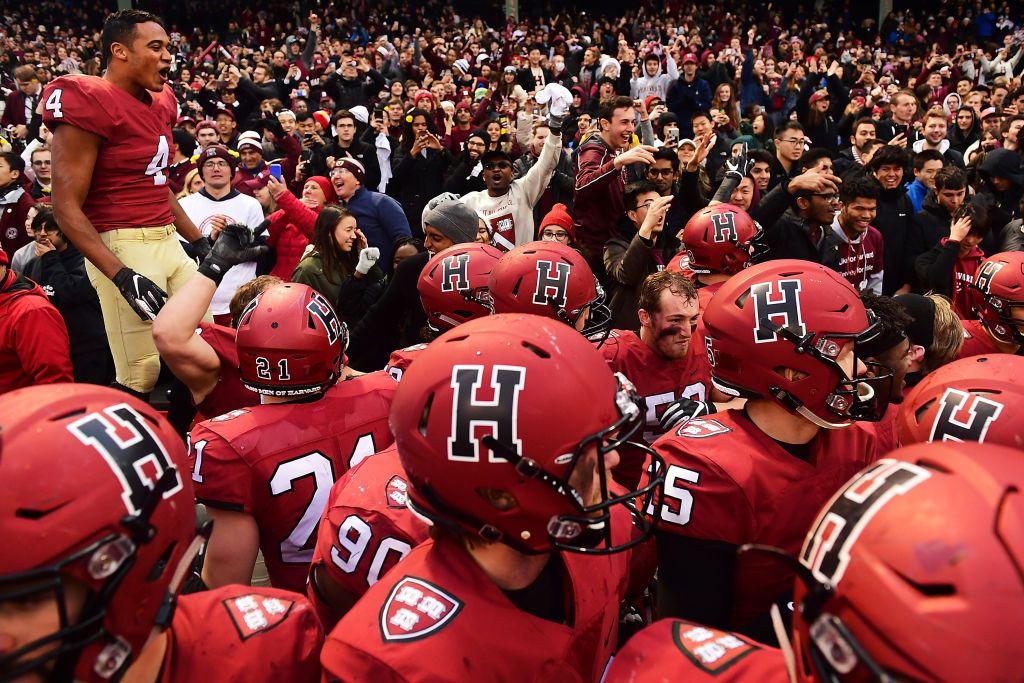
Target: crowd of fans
343	149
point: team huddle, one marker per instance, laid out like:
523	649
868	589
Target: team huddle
777	477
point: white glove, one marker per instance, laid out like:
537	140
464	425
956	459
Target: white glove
558	96
367	257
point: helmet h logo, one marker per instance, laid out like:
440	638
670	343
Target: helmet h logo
783	311
322	310
725	227
980	414
138	462
983	278
500	414
455	273
826	551
552	283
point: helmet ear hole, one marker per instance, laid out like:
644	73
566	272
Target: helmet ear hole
425	416
498	498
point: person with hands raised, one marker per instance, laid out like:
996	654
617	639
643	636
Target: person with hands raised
950	266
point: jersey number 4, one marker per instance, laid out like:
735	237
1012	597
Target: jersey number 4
298	546
160	160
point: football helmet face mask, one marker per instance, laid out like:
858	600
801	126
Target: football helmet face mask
551	280
453	285
496	426
802	316
721	239
911	566
290	342
998	289
95	484
971	399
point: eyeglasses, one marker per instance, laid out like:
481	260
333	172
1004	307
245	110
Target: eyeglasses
338	170
42	163
554	235
216	164
655	172
792	141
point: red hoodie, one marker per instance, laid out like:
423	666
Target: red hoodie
34	346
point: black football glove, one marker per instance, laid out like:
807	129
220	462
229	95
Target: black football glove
145	298
201	247
683	410
234	245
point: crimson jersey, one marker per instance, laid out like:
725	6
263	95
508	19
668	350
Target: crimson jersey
659	380
726	480
401	360
229	393
705	293
277	462
366	527
977	340
129	182
437	616
677	651
243	633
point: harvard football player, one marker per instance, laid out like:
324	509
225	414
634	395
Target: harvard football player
111	149
97	506
505	427
912	564
971	399
783	334
453	289
660	361
265	472
998	292
720	241
552	280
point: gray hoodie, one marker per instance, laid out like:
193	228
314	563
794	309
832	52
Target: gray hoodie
644	86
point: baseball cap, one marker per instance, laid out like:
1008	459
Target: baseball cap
185	119
495	154
819	95
689	58
261	180
988	112
227	112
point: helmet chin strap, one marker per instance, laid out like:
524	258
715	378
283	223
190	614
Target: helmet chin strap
824	424
784	643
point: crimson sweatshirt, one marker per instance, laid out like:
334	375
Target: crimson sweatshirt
34	346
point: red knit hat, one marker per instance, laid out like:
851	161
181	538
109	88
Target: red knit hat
559	215
325	185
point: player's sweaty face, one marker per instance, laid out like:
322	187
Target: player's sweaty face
585	477
36	615
673	325
149	57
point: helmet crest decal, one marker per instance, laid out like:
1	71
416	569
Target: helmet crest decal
979	411
552	283
787	307
455	273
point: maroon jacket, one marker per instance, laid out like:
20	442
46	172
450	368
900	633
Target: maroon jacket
34	346
14	205
599	194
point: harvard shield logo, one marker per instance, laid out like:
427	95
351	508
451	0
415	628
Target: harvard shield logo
702	428
396	492
415	609
713	651
254	614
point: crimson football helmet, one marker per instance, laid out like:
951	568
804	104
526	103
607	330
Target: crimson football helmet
95	489
971	399
290	342
799	315
912	572
721	239
491	423
552	280
453	284
997	289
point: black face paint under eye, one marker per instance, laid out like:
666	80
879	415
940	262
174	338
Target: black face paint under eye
671	331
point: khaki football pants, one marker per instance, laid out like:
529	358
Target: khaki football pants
154	253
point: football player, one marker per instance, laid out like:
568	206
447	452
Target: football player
785	335
909	566
998	293
96	505
265	472
720	241
453	289
660	361
971	399
552	280
505	427
202	355
111	149
891	351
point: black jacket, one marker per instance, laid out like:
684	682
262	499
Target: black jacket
393	322
67	285
417	179
893	220
364	153
790	238
458	179
348	93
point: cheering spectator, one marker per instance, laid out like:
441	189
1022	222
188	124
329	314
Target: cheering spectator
420	164
378	216
926	164
861	252
15	202
688	94
893	218
949	267
40	160
20	111
935	126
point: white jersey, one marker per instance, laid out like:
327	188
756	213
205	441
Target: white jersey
510	216
239	208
